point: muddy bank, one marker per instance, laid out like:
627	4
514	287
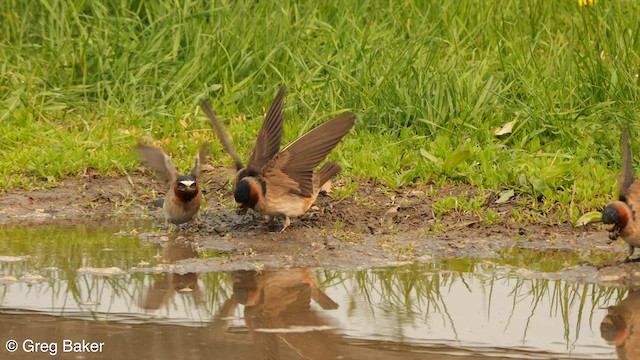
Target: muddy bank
370	210
372	227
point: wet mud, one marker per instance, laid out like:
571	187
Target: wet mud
229	286
372	227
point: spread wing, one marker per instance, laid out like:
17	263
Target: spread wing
626	175
292	168
203	155
269	137
226	141
157	161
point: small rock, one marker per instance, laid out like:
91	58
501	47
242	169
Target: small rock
6	280
111	271
32	278
609	278
12	258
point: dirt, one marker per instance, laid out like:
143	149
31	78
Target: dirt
373	227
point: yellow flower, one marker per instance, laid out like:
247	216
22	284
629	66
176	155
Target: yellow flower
586	2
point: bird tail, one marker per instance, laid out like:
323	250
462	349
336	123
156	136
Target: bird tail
322	299
328	171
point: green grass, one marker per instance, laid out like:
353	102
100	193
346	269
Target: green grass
431	82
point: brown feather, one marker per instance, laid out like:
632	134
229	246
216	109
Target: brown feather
224	137
626	175
256	191
623	213
269	137
203	156
327	172
155	159
620	326
293	166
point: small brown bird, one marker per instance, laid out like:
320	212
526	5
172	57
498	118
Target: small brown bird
277	306
178	246
283	183
183	198
622	213
267	144
621	326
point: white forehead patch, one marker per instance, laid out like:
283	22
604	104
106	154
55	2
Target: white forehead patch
187	182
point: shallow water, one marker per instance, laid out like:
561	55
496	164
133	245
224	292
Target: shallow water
139	298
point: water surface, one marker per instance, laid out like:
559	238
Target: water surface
143	298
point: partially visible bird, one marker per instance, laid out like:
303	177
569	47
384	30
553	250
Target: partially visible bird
621	326
267	143
178	246
183	196
623	212
283	183
276	302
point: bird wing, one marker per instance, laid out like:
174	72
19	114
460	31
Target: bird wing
224	137
159	162
292	168
626	175
269	137
203	155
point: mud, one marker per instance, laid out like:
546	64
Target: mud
373	227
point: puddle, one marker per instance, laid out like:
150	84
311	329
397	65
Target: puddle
153	297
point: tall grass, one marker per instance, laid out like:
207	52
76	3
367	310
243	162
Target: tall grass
81	81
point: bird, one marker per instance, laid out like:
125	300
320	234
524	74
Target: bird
621	326
276	303
282	183
183	196
623	212
267	142
178	246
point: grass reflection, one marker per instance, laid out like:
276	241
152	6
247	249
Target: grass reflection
448	300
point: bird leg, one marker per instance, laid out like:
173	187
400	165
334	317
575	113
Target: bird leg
287	222
629	259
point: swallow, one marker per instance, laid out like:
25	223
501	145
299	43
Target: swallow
621	326
176	248
277	302
267	143
622	213
183	197
283	183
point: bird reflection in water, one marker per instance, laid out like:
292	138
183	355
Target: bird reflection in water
279	315
621	326
177	247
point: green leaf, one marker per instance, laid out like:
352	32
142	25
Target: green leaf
506	128
538	185
456	158
588	218
429	156
505	196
